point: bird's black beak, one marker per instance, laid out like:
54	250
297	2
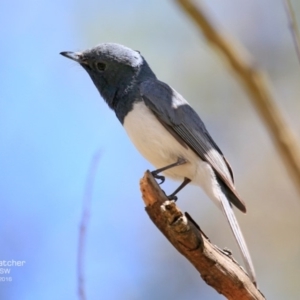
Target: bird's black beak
77	56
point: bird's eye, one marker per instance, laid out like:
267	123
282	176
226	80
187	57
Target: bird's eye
100	66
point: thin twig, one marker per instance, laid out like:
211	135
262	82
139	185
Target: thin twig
216	267
84	223
256	86
293	26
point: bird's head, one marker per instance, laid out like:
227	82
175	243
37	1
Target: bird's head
113	68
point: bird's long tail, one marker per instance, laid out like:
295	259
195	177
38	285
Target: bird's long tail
227	209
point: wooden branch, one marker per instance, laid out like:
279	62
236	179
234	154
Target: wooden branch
217	268
85	215
293	26
256	86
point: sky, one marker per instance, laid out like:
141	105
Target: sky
53	121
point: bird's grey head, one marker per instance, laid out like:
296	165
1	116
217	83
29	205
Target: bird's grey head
114	69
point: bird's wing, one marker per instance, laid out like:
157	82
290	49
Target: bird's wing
174	112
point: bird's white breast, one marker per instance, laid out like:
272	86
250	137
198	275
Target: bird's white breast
157	145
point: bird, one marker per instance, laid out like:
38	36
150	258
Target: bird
164	128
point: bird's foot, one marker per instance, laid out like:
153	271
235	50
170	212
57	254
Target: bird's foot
159	177
172	197
155	173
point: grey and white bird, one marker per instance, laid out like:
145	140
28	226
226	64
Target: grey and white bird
164	128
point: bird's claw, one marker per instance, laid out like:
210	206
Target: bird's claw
172	197
156	176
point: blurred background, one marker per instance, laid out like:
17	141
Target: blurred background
53	121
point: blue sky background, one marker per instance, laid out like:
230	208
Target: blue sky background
52	122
